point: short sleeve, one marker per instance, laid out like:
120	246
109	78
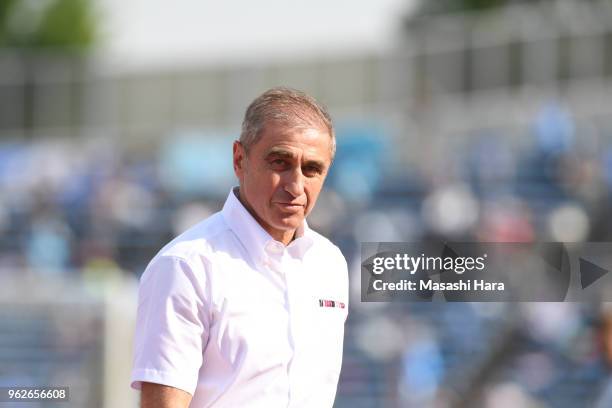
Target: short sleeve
171	326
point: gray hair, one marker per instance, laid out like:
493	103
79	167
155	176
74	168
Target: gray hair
286	106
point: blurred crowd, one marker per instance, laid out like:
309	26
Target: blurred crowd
100	209
70	204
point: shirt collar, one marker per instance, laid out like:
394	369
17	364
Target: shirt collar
259	244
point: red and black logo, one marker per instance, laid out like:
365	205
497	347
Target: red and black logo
331	303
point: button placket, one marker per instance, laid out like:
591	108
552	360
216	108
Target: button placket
297	296
274	261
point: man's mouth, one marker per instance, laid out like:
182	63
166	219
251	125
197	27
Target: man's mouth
290	206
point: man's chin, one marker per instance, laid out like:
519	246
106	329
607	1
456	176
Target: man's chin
289	223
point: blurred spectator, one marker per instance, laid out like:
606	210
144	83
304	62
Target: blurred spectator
422	369
48	244
451	211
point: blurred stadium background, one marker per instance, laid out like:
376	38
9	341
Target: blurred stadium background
469	120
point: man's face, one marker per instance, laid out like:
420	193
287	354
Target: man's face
281	176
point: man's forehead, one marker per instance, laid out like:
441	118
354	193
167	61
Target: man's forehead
282	137
282	129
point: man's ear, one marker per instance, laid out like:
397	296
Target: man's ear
239	158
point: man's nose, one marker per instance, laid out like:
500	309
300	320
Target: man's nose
294	184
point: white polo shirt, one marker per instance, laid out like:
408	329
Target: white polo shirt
237	319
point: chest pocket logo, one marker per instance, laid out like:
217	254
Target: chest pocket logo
331	303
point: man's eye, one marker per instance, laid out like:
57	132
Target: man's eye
278	162
312	170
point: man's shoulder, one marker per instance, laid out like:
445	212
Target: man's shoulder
198	240
324	244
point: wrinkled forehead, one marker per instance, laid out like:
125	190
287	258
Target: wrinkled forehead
312	142
283	128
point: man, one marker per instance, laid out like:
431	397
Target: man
247	308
